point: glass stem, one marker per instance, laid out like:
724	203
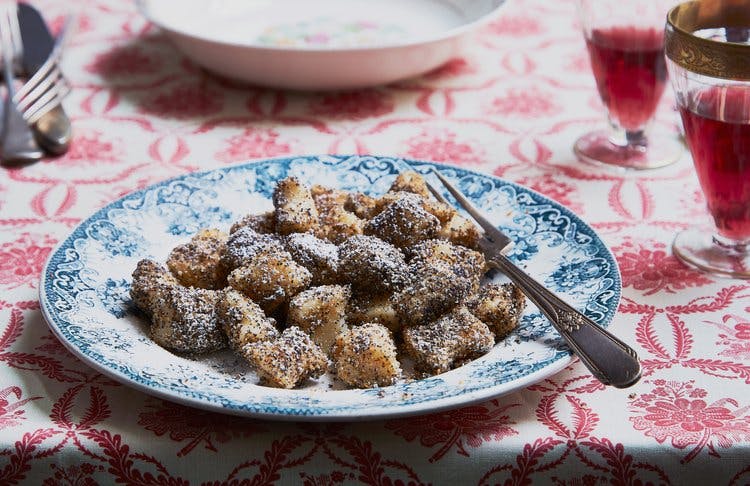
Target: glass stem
633	139
637	138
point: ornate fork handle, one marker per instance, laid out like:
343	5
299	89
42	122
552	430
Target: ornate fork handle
610	360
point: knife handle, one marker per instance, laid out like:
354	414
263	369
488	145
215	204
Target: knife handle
610	360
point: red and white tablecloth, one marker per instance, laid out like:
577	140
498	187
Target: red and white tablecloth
512	106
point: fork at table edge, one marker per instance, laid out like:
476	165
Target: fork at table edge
609	360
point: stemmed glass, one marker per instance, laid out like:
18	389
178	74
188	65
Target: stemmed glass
626	47
707	44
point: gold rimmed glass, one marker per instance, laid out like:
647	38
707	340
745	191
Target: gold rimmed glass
707	44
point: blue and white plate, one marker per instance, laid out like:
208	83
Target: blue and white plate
85	290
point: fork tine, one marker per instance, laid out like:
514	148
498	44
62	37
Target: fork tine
45	84
47	69
37	112
33	82
17	142
490	231
45	103
52	62
436	193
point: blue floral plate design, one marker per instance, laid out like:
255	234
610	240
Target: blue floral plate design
84	291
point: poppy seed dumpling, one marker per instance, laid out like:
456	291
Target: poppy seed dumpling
318	256
150	281
499	306
243	321
453	338
365	356
184	319
245	244
404	222
288	360
270	279
371	264
198	262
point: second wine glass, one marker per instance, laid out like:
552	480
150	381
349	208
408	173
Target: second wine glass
625	42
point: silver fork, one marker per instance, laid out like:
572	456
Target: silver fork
42	92
17	144
47	87
610	360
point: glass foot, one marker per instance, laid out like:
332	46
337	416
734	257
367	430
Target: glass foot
597	148
698	248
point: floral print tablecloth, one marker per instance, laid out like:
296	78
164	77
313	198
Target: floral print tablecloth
512	105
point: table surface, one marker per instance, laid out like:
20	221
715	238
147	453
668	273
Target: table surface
512	106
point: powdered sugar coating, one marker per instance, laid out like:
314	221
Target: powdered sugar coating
243	321
271	269
336	222
365	356
287	361
440	345
245	244
295	209
431	292
318	256
404	222
270	279
184	319
198	263
150	281
371	264
262	223
499	306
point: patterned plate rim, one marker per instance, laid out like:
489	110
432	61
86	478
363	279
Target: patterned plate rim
551	366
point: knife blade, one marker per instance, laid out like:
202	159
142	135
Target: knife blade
53	130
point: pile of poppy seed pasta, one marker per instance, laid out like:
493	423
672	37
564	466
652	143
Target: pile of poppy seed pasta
334	281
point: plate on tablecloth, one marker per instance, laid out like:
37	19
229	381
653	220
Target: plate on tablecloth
320	44
84	292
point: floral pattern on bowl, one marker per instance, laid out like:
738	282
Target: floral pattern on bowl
329	32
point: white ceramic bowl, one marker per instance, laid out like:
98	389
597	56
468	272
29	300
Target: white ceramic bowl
319	44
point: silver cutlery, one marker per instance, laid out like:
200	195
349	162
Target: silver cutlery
17	143
43	92
610	360
52	129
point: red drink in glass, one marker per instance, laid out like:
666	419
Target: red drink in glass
630	72
707	50
625	41
721	153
